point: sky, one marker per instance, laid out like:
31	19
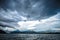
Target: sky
36	15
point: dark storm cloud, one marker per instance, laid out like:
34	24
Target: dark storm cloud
7	4
36	9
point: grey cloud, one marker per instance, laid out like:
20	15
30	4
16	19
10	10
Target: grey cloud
42	8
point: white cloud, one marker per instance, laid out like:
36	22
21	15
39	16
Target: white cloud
8	29
42	25
27	25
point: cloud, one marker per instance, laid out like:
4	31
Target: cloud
35	9
37	15
51	24
7	29
26	25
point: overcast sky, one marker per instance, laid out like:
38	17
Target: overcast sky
13	13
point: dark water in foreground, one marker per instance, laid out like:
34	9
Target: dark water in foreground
29	36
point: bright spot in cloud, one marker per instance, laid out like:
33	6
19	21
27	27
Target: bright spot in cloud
28	25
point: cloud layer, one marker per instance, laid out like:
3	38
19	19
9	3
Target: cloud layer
37	15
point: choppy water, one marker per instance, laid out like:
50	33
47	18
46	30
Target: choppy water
29	36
